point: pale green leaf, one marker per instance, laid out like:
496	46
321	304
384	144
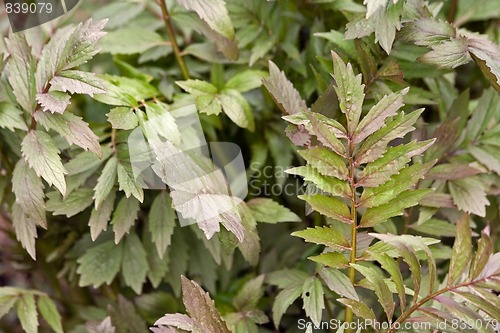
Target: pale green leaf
329	206
359	308
331	259
11	117
26	311
134	265
161	222
338	282
78	82
42	155
469	195
269	211
105	182
214	13
100	264
99	217
325	236
124	216
130	41
462	250
76	202
127	183
49	312
326	162
123	118
313	297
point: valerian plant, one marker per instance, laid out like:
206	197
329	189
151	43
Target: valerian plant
373	125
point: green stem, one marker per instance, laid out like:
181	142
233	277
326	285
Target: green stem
349	317
452	12
173	41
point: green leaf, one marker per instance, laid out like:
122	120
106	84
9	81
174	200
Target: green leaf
25	228
469	195
448	54
161	222
282	91
246	80
395	207
72	128
236	107
76	202
313	297
158	267
483	253
6	304
376	144
324	236
462	250
427	31
392	267
134	266
249	295
99	217
485	55
130	41
127	183
359	308
105	182
28	189
283	300
11	117
394	159
269	211
435	227
123	118
26	311
49	312
349	91
382	291
329	206
331	259
338	282
42	156
214	13
100	264
326	134
398	183
326	162
197	87
375	119
332	185
124	217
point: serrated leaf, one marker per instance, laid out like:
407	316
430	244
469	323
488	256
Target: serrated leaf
427	31
332	185
338	282
127	183
76	202
448	54
134	264
214	13
73	128
201	308
105	182
325	236
78	82
392	267
283	300
158	267
100	264
22	77
26	311
6	304
375	118
483	253
161	222
287	278
313	297
123	118
49	312
269	211
249	295
485	55
398	183
359	308
197	87
382	291
237	109
25	228
395	207
393	160
42	156
349	90
124	216
326	162
99	217
469	195
326	135
281	89
329	206
376	144
331	259
53	101
28	189
462	250
11	117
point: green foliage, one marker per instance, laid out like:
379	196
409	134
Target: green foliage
373	126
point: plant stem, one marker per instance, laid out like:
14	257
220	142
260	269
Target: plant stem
352	271
173	41
452	12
